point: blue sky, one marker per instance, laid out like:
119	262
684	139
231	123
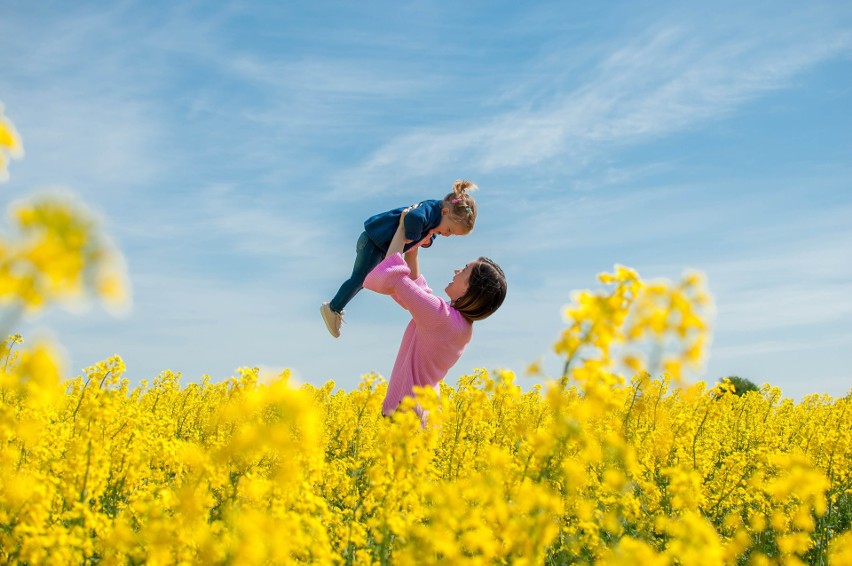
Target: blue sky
234	150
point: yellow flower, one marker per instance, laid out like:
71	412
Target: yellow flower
840	550
10	144
633	552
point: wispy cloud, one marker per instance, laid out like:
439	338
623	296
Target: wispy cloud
665	81
84	111
757	347
318	76
256	228
791	270
785	306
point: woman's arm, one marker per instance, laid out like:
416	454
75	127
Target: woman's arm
397	277
413	263
390	277
398	242
397	245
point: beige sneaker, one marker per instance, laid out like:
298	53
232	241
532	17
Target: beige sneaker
332	319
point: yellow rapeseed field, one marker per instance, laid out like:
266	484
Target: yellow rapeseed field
621	459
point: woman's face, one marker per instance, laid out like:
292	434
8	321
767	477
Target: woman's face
461	279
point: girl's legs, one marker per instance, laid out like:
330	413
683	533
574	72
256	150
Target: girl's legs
367	256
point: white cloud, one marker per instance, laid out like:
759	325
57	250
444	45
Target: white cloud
785	305
759	346
665	81
83	110
260	227
312	76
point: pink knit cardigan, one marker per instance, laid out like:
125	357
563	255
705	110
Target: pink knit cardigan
434	339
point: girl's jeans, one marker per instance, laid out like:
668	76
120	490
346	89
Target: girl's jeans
367	256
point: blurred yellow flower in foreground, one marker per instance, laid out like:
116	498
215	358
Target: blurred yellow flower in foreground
55	251
10	144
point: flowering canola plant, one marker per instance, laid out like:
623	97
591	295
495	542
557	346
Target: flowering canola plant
250	472
619	460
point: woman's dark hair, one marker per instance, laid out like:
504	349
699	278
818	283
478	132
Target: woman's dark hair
485	292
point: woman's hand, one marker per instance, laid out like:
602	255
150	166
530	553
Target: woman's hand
401	225
406	211
398	242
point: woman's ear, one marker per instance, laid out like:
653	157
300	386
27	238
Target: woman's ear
445	211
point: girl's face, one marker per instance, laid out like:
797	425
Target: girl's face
461	280
448	226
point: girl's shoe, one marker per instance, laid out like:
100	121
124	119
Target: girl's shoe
333	320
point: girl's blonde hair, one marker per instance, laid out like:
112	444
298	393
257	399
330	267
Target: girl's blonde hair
461	205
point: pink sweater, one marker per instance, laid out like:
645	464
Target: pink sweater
434	339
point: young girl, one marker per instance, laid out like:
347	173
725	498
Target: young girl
439	331
455	215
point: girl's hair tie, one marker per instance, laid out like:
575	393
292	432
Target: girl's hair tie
455	200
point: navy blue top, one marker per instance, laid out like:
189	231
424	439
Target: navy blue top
381	227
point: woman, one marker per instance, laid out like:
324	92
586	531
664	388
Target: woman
439	330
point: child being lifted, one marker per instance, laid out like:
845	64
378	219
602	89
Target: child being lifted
454	215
